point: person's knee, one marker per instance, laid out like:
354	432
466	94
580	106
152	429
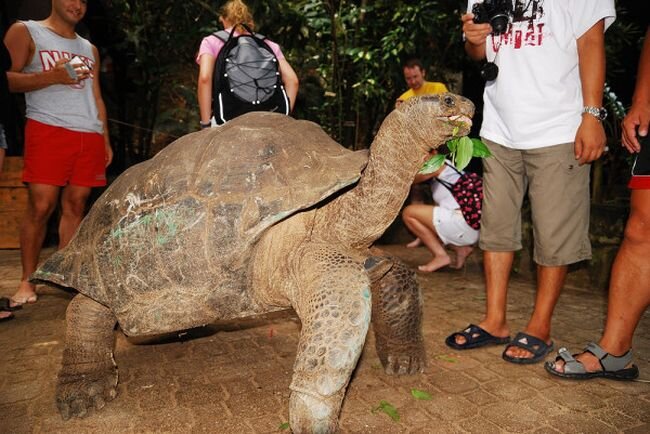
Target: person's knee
74	207
41	209
73	202
408	212
637	229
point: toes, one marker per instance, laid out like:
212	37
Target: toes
98	402
76	397
404	365
79	408
64	410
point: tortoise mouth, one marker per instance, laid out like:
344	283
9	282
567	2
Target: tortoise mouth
461	124
461	119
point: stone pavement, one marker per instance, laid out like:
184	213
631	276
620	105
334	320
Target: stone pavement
234	377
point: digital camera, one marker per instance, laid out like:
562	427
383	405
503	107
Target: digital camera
495	12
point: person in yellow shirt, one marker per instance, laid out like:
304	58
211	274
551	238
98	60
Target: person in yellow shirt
414	73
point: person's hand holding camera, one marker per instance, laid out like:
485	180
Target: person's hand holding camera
475	35
61	73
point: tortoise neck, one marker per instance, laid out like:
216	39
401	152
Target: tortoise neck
360	216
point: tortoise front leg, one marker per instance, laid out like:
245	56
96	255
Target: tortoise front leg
397	320
88	376
333	303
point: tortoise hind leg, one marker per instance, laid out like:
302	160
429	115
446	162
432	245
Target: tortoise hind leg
88	375
333	304
397	320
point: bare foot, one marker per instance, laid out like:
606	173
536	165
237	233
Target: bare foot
26	293
415	243
462	252
435	264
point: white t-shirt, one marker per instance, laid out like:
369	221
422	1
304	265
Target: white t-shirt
536	99
440	194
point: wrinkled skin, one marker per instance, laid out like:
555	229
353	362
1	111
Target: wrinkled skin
262	214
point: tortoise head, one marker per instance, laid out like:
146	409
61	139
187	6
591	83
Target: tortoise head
434	119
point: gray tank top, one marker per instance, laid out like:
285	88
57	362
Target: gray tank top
68	106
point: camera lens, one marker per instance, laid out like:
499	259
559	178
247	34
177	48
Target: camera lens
489	71
499	23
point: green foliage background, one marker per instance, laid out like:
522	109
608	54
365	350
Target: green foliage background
348	56
346	53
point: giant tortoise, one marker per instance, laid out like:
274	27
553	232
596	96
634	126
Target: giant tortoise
261	214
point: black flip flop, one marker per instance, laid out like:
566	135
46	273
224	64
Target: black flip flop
537	347
5	304
475	337
7	318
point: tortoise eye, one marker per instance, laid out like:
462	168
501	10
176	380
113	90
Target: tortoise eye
449	101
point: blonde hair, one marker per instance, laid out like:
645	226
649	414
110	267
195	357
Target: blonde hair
236	12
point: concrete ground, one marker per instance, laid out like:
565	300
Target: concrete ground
234	377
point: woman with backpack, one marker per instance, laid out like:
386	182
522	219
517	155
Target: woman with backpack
443	222
237	20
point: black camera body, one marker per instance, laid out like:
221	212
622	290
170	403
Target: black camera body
495	12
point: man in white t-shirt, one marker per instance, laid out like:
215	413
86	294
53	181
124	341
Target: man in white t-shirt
542	122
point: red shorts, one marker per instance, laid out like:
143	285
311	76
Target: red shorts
59	156
639	183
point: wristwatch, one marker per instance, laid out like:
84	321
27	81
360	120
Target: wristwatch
599	113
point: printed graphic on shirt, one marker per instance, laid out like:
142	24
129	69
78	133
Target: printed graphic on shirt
50	57
526	28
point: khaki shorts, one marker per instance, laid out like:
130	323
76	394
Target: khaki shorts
558	190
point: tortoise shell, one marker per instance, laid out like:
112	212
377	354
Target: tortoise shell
171	237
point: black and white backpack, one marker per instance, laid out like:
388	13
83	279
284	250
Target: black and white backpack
246	77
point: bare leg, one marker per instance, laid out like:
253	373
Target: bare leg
462	252
397	320
42	201
629	290
73	207
419	219
415	243
549	284
334	307
497	266
416	197
88	376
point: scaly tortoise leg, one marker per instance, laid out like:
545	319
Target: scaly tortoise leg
88	376
333	303
397	319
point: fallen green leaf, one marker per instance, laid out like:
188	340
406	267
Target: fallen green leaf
387	408
420	394
283	426
446	358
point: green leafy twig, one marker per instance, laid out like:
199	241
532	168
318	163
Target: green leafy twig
461	151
